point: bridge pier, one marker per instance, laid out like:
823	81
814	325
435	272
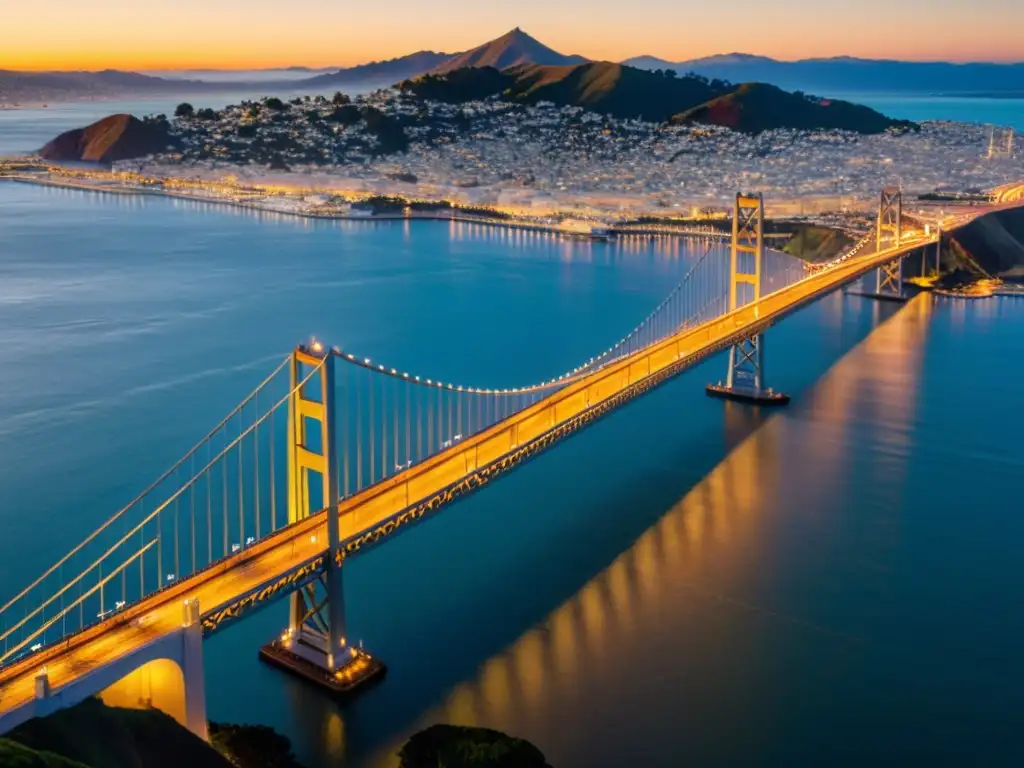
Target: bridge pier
316	644
745	377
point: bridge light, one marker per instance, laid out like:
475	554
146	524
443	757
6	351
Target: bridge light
317	346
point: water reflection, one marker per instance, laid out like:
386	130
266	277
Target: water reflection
667	640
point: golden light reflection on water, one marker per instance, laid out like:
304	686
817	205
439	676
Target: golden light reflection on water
614	634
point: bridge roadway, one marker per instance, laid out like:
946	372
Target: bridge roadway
274	565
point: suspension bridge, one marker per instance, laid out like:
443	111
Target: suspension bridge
335	452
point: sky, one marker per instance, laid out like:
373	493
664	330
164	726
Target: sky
241	34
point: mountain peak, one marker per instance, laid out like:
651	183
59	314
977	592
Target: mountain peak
512	49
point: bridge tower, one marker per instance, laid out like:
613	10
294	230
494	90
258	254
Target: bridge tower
316	644
745	377
889	232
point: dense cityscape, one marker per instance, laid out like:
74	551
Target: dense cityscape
542	156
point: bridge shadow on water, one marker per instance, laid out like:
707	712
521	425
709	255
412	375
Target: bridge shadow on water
441	600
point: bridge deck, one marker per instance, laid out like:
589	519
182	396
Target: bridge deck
272	564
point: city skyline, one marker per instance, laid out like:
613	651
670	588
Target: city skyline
164	35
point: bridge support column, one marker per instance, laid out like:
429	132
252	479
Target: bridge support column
316	644
192	670
745	378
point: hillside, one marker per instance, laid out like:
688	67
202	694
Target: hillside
512	49
993	244
94	735
117	137
612	89
756	107
627	92
14	755
381	72
846	74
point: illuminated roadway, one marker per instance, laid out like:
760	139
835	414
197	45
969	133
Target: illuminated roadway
370	515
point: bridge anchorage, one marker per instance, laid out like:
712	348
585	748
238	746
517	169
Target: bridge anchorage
315	644
745	379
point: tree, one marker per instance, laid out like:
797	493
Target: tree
184	110
274	103
340	99
206	114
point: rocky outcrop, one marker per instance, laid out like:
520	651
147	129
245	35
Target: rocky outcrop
117	137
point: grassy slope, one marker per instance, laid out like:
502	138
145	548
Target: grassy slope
108	737
627	92
995	243
15	755
755	107
601	86
816	244
610	88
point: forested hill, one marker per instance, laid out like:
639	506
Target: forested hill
627	92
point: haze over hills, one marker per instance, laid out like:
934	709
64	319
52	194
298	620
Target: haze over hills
847	74
16	86
381	72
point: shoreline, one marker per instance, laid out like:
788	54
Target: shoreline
451	214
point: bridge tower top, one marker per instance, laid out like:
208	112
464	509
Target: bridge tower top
747	238
890	218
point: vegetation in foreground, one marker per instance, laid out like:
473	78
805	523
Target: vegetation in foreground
455	746
93	735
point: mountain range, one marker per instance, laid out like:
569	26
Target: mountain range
825	77
845	74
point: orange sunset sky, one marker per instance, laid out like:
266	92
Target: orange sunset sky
175	34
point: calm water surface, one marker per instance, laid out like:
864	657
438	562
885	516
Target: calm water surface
681	584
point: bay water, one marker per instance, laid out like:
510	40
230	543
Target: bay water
686	582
